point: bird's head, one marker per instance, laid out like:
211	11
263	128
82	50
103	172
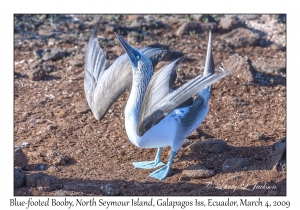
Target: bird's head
133	54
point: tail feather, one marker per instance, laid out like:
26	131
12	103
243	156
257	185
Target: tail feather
209	62
208	69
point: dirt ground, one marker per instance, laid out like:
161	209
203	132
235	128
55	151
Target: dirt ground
95	158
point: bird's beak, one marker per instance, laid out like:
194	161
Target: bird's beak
131	52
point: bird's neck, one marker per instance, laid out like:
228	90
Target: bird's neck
140	81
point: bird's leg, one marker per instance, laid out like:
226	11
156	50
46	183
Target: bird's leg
150	164
163	172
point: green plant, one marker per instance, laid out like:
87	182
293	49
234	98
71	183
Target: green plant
205	20
188	18
194	34
216	16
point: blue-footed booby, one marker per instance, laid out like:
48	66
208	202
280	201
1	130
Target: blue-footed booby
154	117
103	84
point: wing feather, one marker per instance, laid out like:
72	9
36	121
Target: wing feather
172	100
104	85
159	102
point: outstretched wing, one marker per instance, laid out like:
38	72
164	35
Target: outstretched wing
159	102
159	86
95	64
150	116
103	85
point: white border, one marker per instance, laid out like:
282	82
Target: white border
152	6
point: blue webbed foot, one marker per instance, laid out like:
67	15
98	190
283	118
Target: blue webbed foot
148	164
163	172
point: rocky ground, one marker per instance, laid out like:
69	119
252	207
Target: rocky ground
61	149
